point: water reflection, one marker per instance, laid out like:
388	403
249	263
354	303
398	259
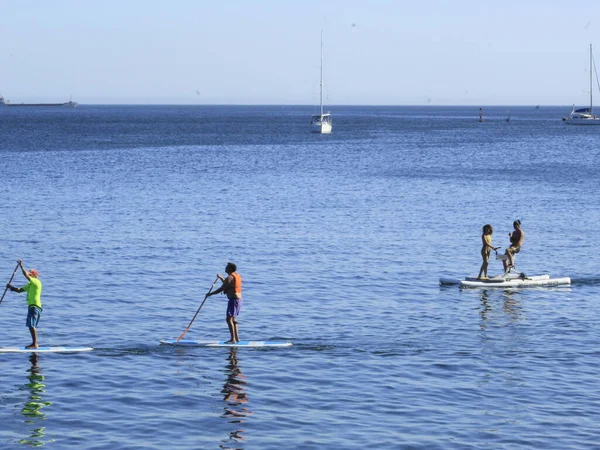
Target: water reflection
33	408
235	399
485	308
510	305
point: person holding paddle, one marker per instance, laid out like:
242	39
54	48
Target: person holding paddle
34	302
232	287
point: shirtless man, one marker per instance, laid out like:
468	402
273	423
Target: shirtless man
232	287
516	241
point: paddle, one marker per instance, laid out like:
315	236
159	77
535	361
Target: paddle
9	281
194	318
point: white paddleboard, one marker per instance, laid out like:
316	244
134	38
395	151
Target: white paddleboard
508	282
45	349
193	343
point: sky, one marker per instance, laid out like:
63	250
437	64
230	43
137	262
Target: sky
376	52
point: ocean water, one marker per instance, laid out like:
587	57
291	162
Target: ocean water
129	212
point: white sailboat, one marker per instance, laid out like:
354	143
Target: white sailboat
585	116
321	123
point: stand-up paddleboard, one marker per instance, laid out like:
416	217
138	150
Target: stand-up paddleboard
193	343
45	349
510	280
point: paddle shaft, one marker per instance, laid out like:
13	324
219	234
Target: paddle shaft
201	304
9	281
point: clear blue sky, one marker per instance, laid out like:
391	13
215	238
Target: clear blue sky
396	52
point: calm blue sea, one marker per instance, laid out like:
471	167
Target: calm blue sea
129	212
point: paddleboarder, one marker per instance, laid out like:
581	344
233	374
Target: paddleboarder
34	302
486	240
516	241
232	287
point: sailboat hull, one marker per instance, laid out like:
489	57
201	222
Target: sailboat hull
590	121
323	128
321	124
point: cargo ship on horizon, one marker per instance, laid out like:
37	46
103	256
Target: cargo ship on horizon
69	104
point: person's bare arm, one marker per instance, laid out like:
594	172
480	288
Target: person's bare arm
224	286
25	274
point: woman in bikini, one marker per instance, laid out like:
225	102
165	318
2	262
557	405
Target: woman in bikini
486	240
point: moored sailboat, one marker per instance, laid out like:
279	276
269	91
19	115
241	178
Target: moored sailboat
585	116
321	123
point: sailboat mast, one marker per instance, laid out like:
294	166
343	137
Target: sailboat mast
591	90
321	72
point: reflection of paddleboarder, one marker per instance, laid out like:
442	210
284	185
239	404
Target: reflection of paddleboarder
234	396
233	390
34	302
232	287
32	410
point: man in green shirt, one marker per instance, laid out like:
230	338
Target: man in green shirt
34	302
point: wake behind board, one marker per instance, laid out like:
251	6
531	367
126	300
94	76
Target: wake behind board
45	349
193	343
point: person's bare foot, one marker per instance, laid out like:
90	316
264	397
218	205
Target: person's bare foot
32	346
